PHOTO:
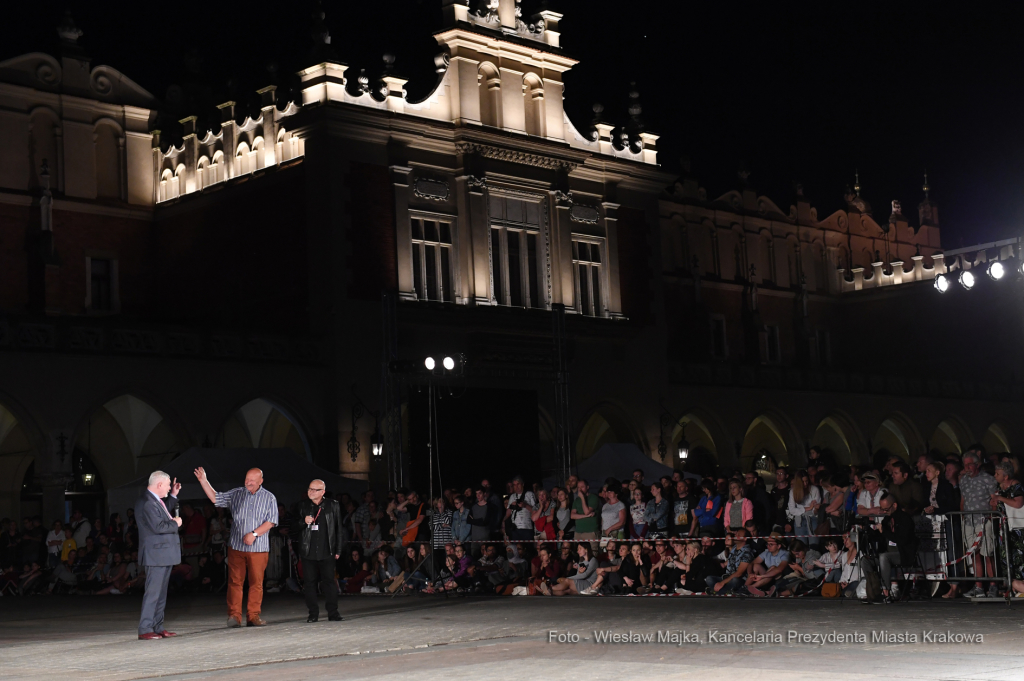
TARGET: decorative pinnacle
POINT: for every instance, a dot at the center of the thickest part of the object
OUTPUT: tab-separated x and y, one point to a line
68	30
634	101
925	187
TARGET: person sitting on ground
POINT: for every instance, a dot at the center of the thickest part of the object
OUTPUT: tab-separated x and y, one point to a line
738	509
768	567
388	569
31	578
457	569
805	570
545	570
568	557
608	568
695	566
586	574
850	577
212	573
117	577
493	571
730	575
64	573
670	572
634	570
831	561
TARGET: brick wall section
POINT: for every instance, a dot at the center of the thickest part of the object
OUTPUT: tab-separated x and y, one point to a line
373	264
238	260
635	266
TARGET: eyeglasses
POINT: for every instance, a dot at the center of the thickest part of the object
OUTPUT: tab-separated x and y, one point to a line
316	489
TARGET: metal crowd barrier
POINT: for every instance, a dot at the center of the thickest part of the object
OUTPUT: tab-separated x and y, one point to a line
962	546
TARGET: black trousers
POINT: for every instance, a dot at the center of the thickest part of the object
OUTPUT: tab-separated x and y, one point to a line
322	571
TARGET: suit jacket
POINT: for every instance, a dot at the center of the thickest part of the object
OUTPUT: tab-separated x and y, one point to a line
158	533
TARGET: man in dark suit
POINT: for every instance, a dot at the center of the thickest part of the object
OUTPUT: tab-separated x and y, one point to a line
159	551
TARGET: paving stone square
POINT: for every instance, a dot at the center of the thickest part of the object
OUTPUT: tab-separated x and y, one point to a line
88	638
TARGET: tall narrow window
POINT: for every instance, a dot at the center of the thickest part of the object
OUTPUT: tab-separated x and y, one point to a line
586	261
719	341
100	285
774	350
516	256
432	260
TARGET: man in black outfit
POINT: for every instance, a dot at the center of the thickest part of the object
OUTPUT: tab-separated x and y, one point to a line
321	546
897	545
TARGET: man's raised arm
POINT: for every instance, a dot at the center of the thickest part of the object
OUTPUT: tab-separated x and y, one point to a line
211	493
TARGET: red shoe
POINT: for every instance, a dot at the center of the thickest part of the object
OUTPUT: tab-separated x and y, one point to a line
151	636
167	634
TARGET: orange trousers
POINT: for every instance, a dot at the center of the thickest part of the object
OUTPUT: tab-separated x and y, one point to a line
239	563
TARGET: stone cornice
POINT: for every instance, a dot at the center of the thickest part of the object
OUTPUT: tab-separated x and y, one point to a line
514	156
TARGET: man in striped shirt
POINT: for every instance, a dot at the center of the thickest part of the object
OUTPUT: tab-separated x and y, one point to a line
254	512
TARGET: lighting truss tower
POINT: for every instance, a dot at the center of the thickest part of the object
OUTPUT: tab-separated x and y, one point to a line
564	453
391	392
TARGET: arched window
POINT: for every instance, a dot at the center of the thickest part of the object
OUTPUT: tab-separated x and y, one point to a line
203	173
168	185
533	103
242	159
489	82
217	169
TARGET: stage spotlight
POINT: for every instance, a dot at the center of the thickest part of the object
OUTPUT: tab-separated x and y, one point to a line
941	283
996	270
967	279
449	363
429	363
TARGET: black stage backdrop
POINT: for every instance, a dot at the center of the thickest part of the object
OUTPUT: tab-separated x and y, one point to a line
480	433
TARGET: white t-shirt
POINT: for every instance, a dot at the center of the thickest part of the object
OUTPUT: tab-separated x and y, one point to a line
610	514
54	535
868	500
521	517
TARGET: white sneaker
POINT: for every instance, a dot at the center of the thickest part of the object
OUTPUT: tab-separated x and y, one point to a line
589	591
684	592
116	592
975	592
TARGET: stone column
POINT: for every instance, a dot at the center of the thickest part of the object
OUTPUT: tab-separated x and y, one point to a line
54	484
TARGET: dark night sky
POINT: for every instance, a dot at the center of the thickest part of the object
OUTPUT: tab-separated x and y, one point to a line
798	92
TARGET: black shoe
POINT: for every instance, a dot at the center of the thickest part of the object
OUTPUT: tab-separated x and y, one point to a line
313	618
334	618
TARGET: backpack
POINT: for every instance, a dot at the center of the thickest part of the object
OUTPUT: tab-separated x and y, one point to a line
873	586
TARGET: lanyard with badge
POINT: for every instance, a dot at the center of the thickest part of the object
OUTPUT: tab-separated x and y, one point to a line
313	525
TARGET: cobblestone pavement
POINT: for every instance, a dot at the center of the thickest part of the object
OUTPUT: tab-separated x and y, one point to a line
382	638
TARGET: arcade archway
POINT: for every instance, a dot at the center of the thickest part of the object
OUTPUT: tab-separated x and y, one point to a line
606	424
16	457
263	424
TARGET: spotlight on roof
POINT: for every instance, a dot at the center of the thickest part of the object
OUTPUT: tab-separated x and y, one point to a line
429	363
941	283
967	279
996	270
449	363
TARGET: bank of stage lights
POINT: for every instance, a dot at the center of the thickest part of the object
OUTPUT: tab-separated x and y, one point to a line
448	363
995	270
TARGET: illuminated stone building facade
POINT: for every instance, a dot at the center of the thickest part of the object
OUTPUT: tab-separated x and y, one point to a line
226	291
